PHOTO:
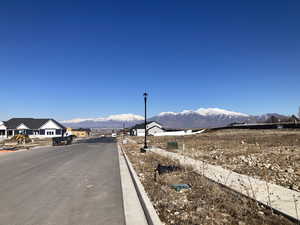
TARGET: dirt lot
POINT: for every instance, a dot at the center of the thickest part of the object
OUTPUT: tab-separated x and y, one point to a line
271	155
7	144
205	203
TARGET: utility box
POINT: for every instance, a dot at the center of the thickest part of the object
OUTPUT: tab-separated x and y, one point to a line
172	145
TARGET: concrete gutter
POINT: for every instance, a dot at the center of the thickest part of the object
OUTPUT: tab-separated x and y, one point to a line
42	146
138	209
282	200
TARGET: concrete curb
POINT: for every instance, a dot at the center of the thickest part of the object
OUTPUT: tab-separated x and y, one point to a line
11	152
282	200
43	146
148	209
133	210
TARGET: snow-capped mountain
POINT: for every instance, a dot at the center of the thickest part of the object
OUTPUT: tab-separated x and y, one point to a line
206	112
210	117
113	121
200	118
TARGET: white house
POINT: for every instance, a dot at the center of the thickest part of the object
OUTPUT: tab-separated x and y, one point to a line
2	130
34	128
151	127
180	133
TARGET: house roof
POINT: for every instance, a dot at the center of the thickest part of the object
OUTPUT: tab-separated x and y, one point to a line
294	118
31	123
142	125
156	126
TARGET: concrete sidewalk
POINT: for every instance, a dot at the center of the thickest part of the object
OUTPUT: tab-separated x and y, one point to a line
281	199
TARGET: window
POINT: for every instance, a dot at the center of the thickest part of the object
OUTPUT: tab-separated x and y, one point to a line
50	132
58	132
42	132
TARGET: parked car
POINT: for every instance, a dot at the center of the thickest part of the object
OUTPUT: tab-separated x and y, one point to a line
56	141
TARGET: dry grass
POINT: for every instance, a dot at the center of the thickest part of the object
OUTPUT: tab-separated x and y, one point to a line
206	203
271	155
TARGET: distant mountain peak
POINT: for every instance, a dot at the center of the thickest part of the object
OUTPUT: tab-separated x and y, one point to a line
118	117
200	118
206	112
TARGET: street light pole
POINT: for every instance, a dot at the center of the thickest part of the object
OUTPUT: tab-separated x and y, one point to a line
145	125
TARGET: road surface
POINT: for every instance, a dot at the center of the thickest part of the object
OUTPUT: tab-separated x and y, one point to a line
67	185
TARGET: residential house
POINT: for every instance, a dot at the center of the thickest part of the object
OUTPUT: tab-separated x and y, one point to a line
151	127
293	119
81	132
34	128
2	130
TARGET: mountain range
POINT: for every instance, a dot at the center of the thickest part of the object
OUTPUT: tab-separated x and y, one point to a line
201	118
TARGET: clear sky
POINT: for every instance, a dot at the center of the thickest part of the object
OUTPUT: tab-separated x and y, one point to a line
69	59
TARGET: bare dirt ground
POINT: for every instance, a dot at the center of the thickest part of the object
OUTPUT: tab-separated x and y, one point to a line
33	143
205	203
271	155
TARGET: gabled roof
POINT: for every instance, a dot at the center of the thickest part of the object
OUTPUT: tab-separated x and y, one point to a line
156	126
142	125
31	123
139	126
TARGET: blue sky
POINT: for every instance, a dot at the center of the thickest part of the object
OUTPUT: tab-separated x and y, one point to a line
68	59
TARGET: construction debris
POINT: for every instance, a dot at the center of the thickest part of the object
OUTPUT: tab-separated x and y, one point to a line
166	169
179	187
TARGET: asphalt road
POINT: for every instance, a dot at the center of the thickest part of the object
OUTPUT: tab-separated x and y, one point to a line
71	185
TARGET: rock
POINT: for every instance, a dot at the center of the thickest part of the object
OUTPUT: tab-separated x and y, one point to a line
201	211
267	165
225	214
185	216
261	213
242	223
195	219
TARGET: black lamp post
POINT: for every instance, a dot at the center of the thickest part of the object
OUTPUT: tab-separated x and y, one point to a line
145	125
